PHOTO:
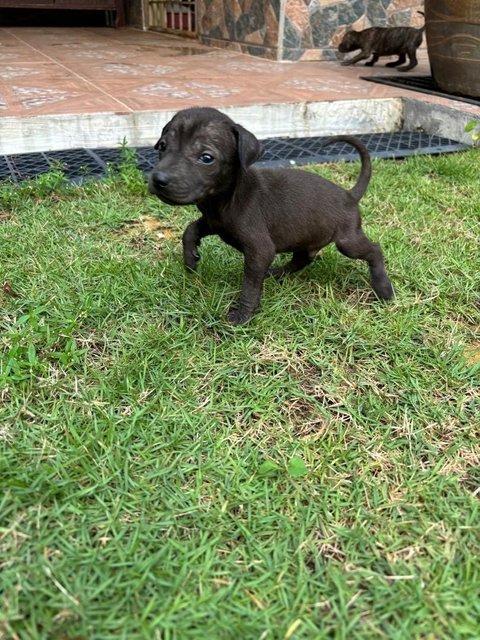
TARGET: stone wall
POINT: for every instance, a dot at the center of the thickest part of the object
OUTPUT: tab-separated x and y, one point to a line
296	29
250	26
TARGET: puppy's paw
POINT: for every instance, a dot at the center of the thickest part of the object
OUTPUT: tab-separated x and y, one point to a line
190	260
237	316
276	272
345	63
384	290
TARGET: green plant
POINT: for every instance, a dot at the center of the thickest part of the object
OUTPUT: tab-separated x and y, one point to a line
473	127
33	342
127	168
295	468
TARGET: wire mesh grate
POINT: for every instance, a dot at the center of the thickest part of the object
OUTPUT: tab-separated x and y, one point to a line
5	169
79	164
399	144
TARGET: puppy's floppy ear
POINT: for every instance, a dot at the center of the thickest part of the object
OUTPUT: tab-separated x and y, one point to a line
248	147
164	131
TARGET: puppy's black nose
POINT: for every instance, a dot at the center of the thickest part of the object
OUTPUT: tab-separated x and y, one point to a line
160	179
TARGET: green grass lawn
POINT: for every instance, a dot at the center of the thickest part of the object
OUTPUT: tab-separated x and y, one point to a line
313	474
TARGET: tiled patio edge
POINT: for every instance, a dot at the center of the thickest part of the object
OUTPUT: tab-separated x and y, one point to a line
108	130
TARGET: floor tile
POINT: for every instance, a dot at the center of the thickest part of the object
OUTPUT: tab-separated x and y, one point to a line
51	71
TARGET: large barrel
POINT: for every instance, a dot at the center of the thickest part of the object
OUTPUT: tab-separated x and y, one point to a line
453	44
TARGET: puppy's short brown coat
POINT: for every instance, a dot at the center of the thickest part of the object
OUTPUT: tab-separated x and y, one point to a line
383	41
205	159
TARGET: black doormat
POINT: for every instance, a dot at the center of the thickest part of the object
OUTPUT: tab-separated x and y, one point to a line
423	84
80	164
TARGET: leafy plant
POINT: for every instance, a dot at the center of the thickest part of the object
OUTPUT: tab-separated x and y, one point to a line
295	468
127	168
33	342
473	127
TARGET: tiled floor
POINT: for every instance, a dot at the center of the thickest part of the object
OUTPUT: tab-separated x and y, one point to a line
60	70
83	71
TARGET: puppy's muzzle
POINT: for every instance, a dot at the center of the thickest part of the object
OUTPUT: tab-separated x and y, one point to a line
160	185
159	180
169	188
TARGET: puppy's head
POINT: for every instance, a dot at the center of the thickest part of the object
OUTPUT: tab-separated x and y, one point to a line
350	42
200	154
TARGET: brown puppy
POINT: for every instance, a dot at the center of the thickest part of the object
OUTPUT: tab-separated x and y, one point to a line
383	41
205	158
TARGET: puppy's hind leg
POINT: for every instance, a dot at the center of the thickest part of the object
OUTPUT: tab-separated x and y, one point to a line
300	259
359	246
401	60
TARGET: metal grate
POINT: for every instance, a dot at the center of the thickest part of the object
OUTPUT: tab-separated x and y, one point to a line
79	164
423	84
5	169
399	144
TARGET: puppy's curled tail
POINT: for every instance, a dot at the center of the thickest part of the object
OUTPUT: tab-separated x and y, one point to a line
361	185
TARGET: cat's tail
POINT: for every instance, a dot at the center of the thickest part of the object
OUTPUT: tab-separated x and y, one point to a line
421	29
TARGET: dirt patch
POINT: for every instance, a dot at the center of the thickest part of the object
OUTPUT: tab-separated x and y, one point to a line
147	225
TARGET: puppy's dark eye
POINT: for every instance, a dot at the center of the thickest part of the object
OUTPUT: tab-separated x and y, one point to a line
206	158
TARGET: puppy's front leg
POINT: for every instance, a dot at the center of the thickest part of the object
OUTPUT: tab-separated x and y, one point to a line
256	266
363	55
191	239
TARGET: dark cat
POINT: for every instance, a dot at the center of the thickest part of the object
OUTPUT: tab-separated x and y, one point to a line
384	41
